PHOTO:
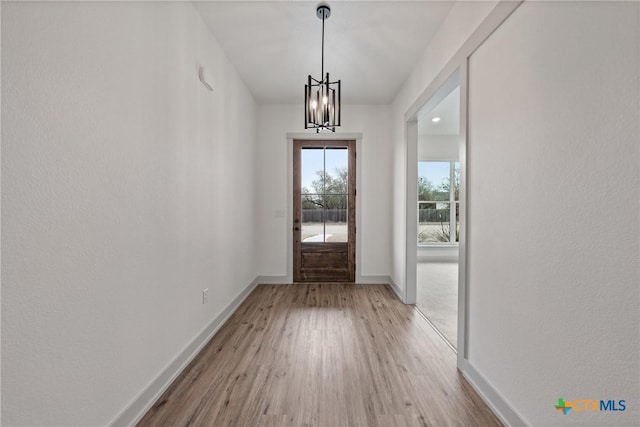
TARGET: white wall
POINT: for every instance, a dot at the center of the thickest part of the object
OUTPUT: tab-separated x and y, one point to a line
438	147
374	188
554	273
463	19
0	217
127	188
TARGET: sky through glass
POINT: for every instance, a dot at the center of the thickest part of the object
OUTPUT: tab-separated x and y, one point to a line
313	161
436	173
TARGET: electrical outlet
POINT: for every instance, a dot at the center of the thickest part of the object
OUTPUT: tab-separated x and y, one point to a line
205	296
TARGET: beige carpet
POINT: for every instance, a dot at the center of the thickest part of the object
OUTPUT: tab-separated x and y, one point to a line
437	287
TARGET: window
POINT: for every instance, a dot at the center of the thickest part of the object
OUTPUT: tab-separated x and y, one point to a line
437	198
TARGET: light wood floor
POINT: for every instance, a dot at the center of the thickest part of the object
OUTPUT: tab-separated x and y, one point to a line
322	355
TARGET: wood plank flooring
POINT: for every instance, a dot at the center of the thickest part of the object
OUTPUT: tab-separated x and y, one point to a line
322	355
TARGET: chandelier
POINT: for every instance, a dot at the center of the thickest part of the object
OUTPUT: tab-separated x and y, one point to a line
322	97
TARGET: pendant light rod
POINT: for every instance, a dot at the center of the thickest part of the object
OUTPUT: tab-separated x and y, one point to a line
321	96
322	60
323	12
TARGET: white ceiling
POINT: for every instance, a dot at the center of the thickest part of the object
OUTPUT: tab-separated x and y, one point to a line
371	46
448	110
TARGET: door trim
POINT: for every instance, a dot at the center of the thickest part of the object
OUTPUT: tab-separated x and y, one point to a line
290	136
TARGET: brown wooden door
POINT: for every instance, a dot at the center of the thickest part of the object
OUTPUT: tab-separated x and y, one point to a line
324	213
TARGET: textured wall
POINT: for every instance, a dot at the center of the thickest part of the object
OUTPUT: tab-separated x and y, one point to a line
554	213
127	188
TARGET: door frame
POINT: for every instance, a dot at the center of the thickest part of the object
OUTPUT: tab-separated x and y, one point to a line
452	81
459	63
289	214
352	173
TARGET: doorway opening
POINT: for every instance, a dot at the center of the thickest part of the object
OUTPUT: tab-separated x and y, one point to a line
438	210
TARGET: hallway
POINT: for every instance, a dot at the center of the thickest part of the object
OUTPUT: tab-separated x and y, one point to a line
147	157
322	355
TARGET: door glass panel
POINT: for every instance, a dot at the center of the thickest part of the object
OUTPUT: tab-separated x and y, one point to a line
312	218
324	188
311	167
312	175
336	167
336	218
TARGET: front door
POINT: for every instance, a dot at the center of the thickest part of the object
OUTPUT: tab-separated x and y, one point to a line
324	212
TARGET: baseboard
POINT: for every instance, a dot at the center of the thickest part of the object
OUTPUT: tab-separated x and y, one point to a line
372	280
492	398
425	259
273	280
143	402
284	280
396	289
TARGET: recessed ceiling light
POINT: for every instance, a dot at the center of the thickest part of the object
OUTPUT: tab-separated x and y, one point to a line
435	119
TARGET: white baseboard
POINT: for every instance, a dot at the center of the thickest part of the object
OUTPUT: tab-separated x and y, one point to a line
286	280
134	411
274	280
372	280
396	290
492	398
